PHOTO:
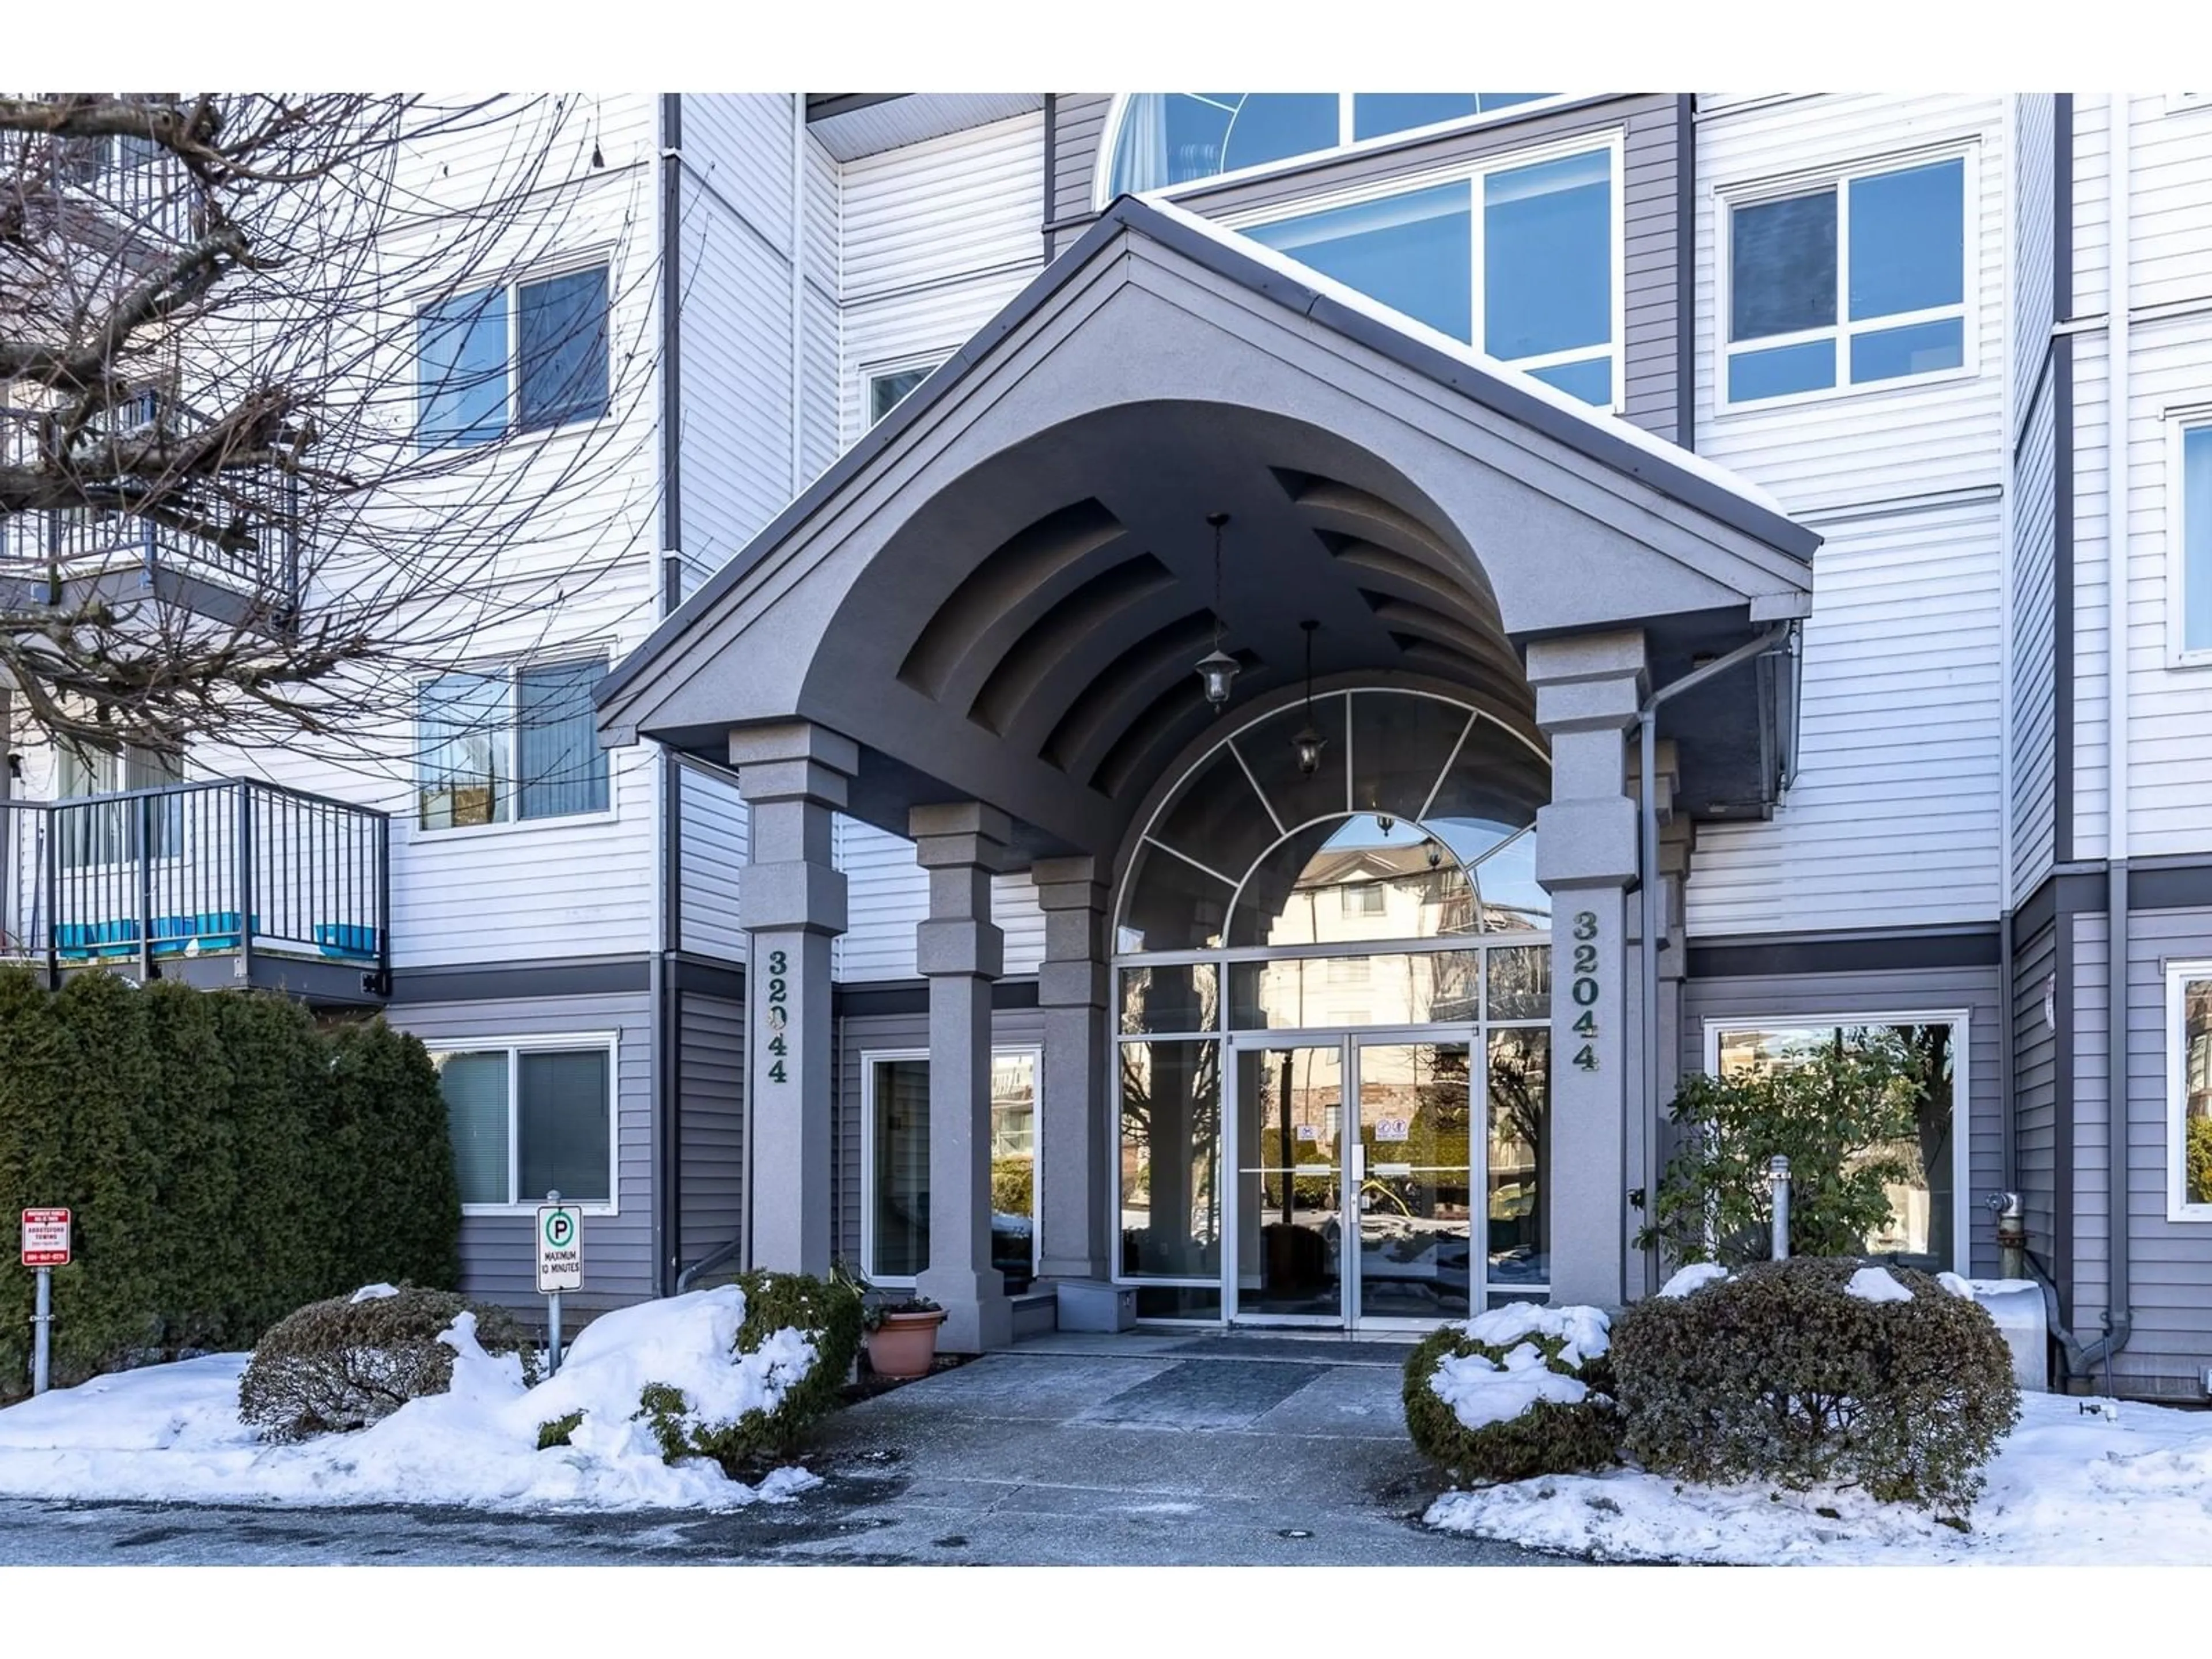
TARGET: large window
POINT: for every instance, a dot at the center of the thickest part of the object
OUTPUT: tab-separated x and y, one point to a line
1522	261
1856	282
1926	1226
894	1203
518	357
529	1118
2189	1090
108	832
2189	532
511	743
1164	139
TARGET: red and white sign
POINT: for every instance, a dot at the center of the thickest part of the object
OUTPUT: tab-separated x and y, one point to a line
46	1238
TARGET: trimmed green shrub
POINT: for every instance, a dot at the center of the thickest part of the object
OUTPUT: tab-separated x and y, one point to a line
1781	1374
828	1312
394	1198
192	1120
1545	1436
280	1077
342	1364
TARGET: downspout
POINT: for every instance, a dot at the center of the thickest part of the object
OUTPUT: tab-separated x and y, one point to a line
667	1218
798	293
2007	1155
2119	1315
1051	168
1647	775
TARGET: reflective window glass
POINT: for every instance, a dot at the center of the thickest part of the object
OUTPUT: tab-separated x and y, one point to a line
2194	501
1171	1138
1547	259
1908	232
1410	251
1520	1112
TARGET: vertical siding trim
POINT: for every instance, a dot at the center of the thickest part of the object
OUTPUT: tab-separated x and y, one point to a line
1686	271
2062	1128
672	381
2062	470
1051	168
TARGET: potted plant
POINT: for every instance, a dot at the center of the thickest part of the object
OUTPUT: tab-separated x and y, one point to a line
902	1335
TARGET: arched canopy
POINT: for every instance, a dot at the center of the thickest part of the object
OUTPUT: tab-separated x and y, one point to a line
1158	140
1419	823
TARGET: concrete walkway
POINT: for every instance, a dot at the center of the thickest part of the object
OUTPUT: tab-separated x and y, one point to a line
1140	1449
1126	1450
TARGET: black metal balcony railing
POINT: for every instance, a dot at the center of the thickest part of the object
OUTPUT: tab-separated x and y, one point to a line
231	868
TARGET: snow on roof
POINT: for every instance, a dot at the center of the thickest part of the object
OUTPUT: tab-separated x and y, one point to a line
1353	300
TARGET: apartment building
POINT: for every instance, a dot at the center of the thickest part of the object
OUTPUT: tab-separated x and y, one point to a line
1219	692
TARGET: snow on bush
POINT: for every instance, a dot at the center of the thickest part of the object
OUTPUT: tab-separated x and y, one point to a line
1517	1391
173	1433
1876	1285
1696	1276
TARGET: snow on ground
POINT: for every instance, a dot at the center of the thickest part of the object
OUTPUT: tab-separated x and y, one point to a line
171	1433
2070	1487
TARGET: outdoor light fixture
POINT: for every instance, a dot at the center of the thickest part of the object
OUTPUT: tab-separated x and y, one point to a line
1218	668
1308	743
1436	856
1385	822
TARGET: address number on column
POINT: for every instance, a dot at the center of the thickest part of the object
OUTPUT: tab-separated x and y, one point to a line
778	1016
1584	988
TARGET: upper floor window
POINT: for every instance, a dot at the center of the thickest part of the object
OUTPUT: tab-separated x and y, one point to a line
1856	282
1521	259
2189	529
518	357
107	831
510	745
1171	138
890	387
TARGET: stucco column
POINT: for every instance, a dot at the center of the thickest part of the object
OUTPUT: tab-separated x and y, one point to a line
790	900
961	952
1075	1136
1588	688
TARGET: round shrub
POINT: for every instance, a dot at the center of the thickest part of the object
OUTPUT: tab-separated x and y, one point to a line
826	1314
343	1364
1519	1391
1782	1373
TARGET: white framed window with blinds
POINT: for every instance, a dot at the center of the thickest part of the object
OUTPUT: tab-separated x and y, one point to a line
532	1115
2188	539
510	745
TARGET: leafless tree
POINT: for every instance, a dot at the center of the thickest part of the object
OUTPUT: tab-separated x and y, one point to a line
281	434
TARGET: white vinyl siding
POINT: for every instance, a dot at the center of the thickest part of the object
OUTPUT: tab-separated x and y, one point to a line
887	895
938	236
2169	386
713	843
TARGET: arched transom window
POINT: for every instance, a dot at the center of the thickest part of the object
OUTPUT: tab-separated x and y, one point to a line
1164	139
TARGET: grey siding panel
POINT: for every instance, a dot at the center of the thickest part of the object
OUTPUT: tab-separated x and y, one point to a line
710	1124
859	1036
1649	210
2035	1090
712	845
2034	679
2171	1267
496	1255
1841	996
2086	1303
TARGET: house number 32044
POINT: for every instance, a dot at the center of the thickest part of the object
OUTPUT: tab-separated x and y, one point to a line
1584	988
778	1016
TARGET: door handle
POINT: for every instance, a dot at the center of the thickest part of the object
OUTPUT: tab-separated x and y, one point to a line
1358	1162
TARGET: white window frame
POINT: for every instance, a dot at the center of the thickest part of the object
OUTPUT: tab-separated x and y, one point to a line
2180	424
1727	198
869	1058
928	361
1102	187
513	668
2178	972
514	1046
510	285
1472	173
1960	1021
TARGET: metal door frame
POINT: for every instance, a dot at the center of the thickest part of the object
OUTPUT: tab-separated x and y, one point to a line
1350	1158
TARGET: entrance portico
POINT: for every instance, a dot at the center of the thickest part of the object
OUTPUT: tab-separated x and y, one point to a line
980	627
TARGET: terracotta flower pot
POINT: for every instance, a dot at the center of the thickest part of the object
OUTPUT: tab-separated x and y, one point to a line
904	1344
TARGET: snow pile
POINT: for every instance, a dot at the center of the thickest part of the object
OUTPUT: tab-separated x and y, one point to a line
1482	1391
171	1433
2068	1486
374	1293
1695	1277
1876	1284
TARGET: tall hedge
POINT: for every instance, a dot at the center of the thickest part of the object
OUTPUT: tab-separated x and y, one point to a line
226	1159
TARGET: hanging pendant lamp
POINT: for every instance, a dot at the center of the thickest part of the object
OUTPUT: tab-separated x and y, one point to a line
1308	743
1218	669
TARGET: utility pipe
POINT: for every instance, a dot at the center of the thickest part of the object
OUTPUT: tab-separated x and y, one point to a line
2119	1316
1647	719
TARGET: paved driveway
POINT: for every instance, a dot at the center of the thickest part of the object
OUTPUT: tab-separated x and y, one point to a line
1070	1449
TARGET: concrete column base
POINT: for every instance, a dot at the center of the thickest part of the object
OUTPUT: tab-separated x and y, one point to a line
978	1317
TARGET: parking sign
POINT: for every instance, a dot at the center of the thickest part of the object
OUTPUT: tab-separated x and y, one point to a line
560	1247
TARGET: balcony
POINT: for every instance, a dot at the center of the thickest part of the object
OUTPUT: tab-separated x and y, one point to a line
230	883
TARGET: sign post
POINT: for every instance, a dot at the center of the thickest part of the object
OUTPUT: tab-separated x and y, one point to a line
560	1265
46	1247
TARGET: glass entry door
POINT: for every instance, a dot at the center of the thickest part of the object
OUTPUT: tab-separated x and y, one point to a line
1355	1179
